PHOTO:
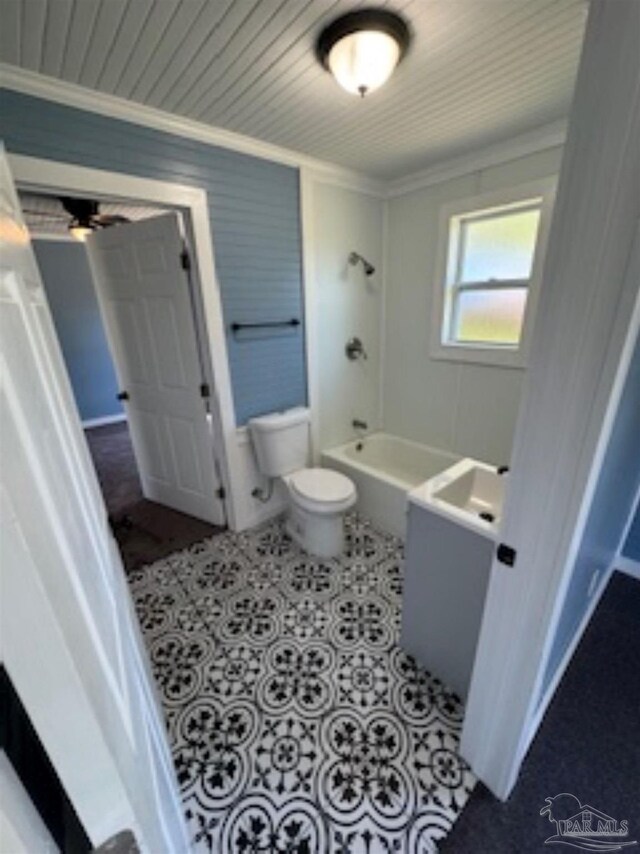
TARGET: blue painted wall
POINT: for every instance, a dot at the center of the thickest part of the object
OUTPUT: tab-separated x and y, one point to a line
612	503
632	546
254	209
74	306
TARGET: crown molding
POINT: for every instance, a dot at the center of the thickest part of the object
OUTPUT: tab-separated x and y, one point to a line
72	95
544	137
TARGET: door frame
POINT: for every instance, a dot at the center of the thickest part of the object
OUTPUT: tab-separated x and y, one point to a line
54	177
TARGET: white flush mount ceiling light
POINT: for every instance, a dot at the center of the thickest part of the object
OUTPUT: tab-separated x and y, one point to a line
361	49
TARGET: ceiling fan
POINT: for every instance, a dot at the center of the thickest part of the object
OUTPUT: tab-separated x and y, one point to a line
81	215
86	217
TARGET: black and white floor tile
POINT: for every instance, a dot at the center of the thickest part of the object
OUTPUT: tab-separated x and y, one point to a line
297	724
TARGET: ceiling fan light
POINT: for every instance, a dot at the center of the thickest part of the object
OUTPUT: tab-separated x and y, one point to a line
81	230
361	49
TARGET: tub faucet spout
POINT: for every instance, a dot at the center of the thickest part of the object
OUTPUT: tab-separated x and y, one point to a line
357	424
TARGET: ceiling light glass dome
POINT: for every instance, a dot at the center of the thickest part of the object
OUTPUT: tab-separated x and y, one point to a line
362	49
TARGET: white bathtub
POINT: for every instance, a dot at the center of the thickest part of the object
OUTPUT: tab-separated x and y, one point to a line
384	471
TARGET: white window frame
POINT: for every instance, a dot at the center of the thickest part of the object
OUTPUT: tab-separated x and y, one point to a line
451	217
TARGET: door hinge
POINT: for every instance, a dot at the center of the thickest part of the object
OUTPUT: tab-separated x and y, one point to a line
122	395
205	390
185	260
506	554
221	493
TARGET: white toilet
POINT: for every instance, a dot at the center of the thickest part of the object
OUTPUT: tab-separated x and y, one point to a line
318	498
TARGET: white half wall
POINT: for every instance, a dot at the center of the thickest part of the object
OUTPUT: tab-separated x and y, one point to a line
344	303
468	409
251	511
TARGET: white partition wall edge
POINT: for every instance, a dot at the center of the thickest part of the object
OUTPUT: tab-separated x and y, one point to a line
310	305
588	320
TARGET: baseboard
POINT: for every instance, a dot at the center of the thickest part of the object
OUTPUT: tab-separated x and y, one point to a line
628	566
101	422
566	660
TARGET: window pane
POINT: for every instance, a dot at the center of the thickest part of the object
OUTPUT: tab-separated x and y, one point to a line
499	247
489	316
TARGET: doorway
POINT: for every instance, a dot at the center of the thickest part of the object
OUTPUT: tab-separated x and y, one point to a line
145	405
145	530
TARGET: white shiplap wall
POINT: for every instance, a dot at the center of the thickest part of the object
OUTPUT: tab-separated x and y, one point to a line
469	409
478	72
346	303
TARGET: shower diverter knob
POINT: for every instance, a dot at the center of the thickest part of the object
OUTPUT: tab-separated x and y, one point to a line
355	349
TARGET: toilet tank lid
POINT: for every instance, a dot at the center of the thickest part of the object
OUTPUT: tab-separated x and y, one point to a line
278	420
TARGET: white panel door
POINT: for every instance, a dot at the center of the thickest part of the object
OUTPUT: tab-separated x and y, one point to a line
68	636
146	304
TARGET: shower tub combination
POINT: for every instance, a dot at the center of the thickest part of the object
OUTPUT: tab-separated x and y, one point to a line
384	469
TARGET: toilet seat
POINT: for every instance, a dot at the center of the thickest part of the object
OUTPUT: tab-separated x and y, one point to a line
321	490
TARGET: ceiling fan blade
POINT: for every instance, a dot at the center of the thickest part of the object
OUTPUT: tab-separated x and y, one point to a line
106	220
45	214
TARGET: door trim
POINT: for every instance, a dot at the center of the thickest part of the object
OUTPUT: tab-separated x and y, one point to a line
35	174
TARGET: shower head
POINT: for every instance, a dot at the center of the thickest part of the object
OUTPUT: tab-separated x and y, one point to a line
369	269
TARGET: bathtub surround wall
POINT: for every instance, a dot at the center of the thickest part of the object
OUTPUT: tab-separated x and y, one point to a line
467	409
346	303
72	299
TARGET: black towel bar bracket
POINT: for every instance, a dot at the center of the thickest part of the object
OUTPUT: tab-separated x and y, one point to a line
267	324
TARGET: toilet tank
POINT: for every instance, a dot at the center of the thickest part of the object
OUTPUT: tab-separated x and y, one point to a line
281	441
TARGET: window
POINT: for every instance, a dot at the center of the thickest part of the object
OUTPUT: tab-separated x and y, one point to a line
491	248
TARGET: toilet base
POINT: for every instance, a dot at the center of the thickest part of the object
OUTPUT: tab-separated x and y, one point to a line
319	535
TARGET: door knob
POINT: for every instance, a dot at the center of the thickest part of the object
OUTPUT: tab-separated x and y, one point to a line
122	395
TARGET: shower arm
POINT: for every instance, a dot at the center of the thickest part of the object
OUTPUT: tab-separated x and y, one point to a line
354	257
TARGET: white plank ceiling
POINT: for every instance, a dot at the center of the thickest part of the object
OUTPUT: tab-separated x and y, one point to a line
46	217
478	72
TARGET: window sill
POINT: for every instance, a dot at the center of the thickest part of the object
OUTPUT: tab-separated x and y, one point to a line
477	355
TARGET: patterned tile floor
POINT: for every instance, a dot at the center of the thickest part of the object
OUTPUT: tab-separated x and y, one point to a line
297	724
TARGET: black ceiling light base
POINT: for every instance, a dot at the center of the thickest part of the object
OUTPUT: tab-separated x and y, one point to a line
380	20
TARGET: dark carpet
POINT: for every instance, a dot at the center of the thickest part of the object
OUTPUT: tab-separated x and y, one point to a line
145	531
588	745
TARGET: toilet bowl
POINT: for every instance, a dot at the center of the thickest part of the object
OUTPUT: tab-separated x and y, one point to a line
318	498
